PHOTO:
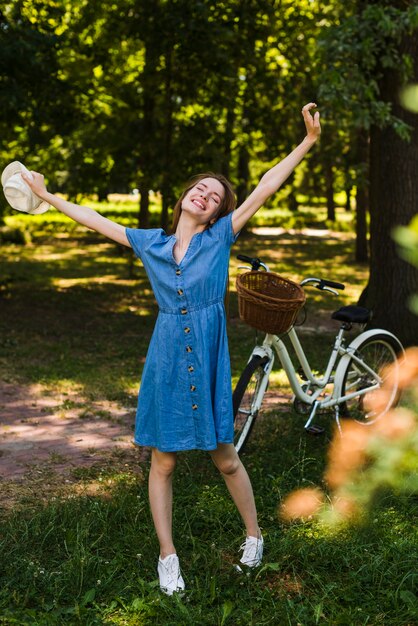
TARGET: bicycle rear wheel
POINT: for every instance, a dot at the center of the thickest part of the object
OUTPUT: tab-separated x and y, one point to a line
244	397
378	352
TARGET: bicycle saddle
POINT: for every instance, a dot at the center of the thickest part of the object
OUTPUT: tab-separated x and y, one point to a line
353	314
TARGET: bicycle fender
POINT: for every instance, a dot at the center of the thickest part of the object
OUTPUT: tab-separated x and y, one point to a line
262	351
352	347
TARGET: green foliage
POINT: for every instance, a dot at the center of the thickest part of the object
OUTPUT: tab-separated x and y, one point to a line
389	466
409	98
128	96
407	237
356	51
34	100
107	97
407	240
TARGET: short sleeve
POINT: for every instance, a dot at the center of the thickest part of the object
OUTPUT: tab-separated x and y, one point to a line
139	238
224	231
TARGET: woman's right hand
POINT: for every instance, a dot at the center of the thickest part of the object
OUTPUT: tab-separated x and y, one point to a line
36	183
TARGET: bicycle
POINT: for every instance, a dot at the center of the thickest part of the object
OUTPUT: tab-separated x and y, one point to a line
353	372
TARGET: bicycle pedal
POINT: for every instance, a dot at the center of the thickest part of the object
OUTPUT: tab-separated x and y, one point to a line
315	430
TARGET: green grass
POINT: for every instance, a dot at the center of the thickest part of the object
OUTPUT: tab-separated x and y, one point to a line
91	560
78	315
77	310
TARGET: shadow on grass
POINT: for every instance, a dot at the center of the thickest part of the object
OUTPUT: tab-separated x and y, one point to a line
92	560
78	335
72	311
77	317
73	315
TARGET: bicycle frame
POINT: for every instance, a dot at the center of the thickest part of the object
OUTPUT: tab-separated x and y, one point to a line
346	364
339	352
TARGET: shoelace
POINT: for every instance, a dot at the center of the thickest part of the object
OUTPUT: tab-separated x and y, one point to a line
172	569
250	547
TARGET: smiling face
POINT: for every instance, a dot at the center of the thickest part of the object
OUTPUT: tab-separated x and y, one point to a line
204	200
207	198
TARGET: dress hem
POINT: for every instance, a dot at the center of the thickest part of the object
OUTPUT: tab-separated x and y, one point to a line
150	445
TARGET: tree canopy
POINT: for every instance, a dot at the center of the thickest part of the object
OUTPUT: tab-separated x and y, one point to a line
105	96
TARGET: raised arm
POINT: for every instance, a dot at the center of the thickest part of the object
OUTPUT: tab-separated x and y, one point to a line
81	214
275	177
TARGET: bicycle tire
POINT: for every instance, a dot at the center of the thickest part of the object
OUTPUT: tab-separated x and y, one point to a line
243	398
378	351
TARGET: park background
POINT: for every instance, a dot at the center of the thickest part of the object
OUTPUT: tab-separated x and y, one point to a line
118	104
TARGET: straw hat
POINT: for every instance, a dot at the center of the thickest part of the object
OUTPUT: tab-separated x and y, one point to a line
17	192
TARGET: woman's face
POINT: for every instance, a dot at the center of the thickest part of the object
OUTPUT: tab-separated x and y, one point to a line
204	200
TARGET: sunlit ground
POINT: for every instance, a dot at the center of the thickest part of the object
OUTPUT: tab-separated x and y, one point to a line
77	315
69	280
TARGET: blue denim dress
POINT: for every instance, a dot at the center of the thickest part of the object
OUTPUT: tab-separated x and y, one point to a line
185	398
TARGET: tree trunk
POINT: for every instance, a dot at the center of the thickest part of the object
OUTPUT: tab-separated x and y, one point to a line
147	137
292	201
348	191
243	174
362	196
329	182
228	138
3	205
102	195
165	203
362	249
166	187
293	204
143	216
393	200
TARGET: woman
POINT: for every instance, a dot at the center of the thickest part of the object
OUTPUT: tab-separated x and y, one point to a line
185	400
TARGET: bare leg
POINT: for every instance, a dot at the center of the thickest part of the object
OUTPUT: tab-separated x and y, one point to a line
236	478
160	487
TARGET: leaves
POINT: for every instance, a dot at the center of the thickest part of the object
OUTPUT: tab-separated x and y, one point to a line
409	98
407	238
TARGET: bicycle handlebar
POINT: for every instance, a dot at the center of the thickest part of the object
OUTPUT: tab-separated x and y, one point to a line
321	283
330	283
255	262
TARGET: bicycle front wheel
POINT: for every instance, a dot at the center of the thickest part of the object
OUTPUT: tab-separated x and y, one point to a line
378	352
244	397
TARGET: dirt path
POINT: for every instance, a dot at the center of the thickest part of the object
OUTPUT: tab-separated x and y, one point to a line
53	445
44	437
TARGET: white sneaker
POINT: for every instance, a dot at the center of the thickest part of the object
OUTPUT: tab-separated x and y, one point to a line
169	572
253	551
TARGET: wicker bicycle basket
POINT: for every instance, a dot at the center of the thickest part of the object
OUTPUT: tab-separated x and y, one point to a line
268	301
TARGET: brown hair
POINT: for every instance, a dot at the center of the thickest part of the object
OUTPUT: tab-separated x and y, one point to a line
227	205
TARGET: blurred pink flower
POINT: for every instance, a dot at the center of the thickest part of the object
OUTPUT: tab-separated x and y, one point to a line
302	503
346	453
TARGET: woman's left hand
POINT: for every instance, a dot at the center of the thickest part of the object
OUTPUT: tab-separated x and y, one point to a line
313	127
